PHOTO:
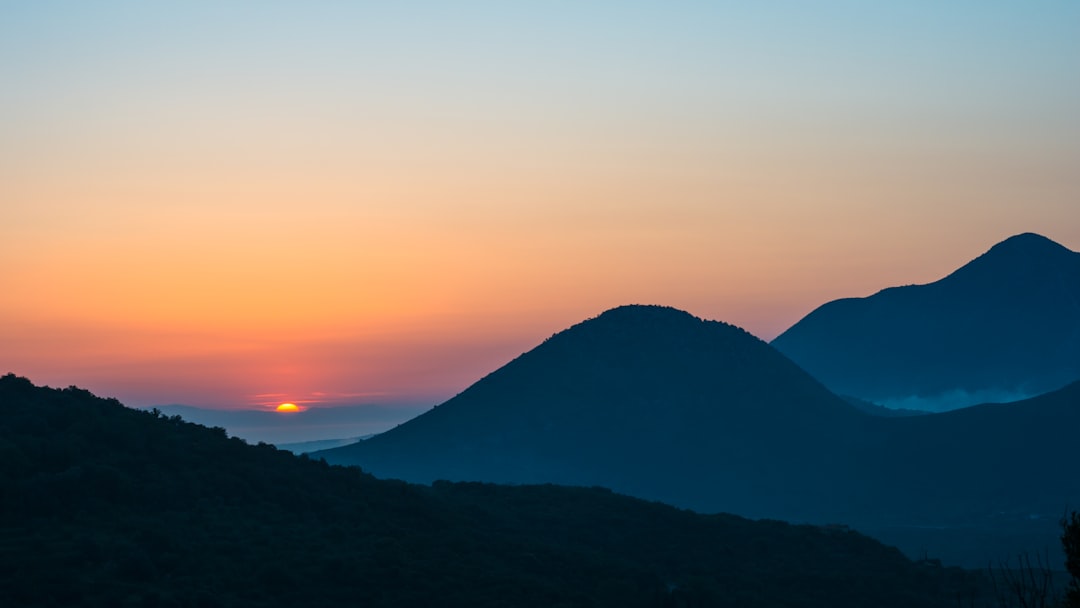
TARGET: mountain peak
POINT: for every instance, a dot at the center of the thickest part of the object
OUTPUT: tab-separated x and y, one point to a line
645	310
635	314
1004	326
1028	244
637	323
1029	239
639	316
1018	256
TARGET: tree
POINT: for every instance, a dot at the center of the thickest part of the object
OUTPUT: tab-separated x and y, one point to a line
1027	585
1070	541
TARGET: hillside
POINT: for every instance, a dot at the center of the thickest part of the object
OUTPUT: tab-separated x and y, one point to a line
655	403
978	483
109	506
1003	327
645	400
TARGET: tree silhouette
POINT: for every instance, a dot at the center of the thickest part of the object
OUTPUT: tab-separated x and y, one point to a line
102	505
1070	541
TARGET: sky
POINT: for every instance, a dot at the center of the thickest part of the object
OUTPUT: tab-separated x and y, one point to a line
235	204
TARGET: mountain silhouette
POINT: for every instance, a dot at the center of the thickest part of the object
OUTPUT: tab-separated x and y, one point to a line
109	506
983	482
1003	327
653	402
1012	455
646	400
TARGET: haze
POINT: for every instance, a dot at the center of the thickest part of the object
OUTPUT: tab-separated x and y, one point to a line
237	204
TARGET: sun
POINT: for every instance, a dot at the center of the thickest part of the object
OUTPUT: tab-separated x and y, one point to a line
287	408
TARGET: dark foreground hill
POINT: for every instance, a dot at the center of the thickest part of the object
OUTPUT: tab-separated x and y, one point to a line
655	403
1003	327
108	506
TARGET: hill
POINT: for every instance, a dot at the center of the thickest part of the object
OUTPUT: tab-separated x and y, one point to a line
1003	327
109	506
655	403
978	483
645	400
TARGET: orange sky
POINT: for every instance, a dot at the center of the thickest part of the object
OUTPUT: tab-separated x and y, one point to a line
235	206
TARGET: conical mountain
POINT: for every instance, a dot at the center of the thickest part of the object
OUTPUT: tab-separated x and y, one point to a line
1003	327
642	399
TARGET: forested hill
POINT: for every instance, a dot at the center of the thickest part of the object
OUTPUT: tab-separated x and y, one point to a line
108	506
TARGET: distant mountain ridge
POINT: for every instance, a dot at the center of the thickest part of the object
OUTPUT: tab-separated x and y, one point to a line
326	423
653	402
1005	326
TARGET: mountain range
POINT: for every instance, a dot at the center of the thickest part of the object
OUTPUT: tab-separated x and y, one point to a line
653	402
647	400
1003	327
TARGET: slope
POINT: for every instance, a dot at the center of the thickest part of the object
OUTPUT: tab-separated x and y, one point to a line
642	399
1002	327
108	506
655	403
976	484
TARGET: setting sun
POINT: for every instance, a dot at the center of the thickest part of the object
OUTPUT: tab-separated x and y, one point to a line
288	407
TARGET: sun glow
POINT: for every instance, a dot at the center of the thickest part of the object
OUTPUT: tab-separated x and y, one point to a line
288	408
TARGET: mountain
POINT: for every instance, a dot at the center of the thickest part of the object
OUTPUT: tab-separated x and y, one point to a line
645	400
1003	327
981	482
109	506
655	403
